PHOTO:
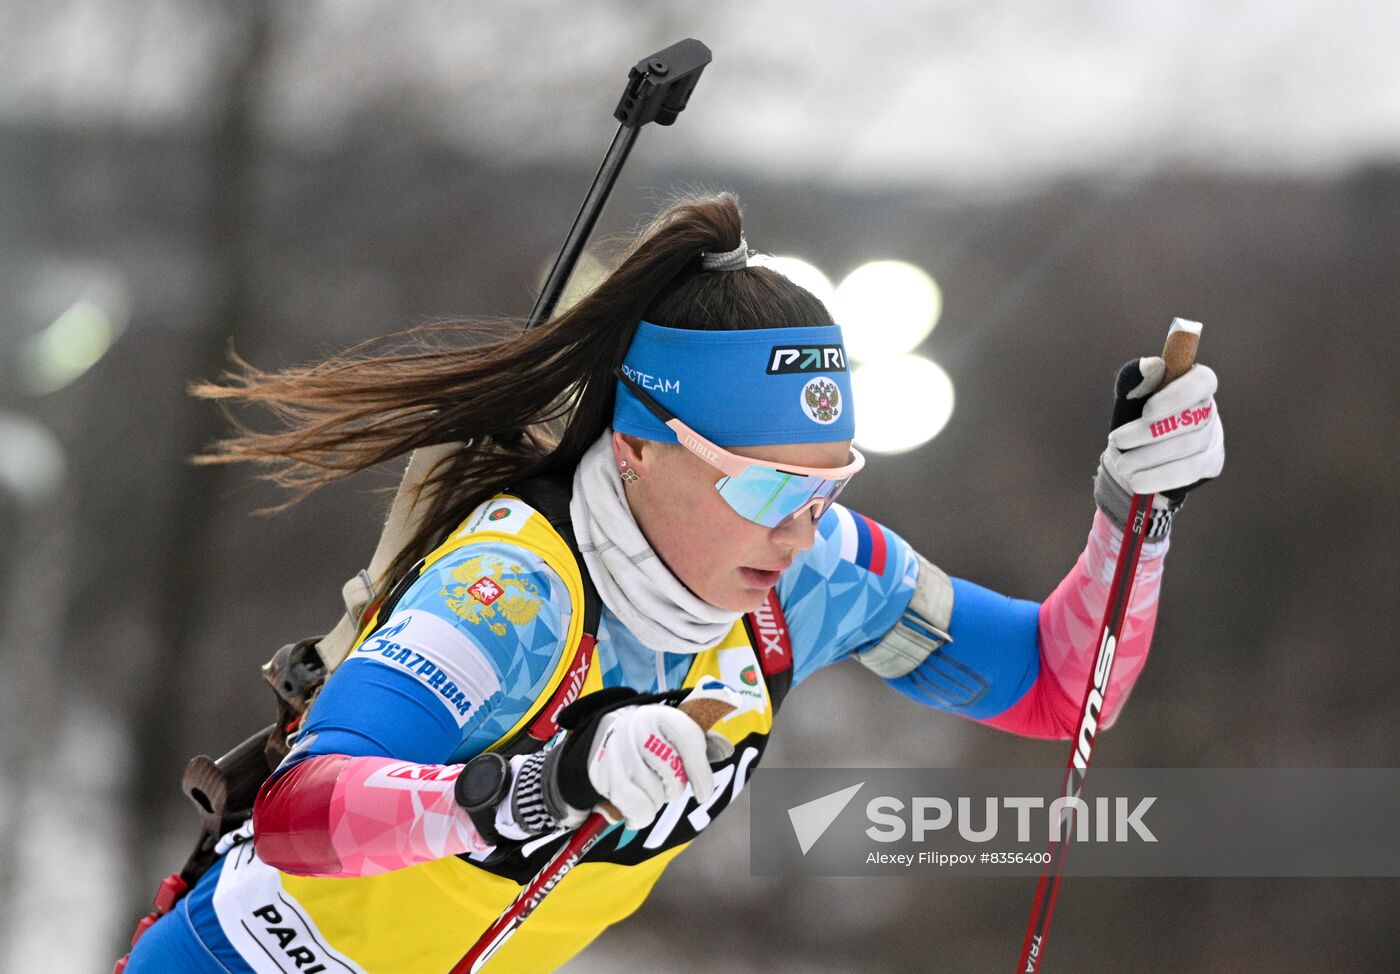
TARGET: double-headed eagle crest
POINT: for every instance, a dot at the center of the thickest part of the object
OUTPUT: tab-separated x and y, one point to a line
823	400
510	600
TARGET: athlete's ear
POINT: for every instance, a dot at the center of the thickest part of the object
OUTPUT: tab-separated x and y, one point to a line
633	453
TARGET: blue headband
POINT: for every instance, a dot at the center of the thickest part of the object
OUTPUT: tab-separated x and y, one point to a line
739	388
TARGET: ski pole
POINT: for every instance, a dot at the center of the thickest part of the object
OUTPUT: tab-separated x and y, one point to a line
705	712
1180	353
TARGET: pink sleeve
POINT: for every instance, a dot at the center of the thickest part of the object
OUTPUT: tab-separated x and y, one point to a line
1068	634
335	815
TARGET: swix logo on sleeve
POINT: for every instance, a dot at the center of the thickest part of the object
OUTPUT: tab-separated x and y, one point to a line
774	644
1195	416
438	655
547	724
786	359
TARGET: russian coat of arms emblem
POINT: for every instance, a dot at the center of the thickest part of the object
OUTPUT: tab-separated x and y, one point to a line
821	400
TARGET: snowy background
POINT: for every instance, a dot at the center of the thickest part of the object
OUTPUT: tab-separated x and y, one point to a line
299	176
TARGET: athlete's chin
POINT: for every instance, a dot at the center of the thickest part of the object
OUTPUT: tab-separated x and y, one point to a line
733	596
737	590
747	601
751	589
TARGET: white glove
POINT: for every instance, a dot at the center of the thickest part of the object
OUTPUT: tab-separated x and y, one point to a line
1178	441
645	756
1177	444
636	756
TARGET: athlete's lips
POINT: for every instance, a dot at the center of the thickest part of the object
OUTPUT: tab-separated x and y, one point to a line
762	577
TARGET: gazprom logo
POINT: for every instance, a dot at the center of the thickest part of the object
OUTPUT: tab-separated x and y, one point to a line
382	637
785	359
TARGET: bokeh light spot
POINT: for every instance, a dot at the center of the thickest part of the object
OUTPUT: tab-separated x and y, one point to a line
803	274
902	401
886	307
68	347
32	463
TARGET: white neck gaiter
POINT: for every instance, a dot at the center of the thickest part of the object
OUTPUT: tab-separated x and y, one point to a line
631	580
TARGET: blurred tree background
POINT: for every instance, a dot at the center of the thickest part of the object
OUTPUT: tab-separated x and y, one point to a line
186	176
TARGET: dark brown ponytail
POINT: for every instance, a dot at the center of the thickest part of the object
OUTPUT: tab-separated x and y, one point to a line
476	382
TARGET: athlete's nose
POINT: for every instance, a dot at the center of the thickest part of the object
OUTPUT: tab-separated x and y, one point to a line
798	533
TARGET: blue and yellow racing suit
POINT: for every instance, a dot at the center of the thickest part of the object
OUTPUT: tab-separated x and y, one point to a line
450	674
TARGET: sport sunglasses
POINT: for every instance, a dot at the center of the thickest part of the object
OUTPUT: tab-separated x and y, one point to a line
763	493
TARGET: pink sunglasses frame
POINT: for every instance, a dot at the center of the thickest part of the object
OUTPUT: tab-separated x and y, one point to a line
733	465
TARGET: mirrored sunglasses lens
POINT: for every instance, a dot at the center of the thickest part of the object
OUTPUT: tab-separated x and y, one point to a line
827	495
769	497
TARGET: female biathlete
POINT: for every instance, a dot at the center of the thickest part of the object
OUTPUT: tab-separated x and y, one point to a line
678	535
